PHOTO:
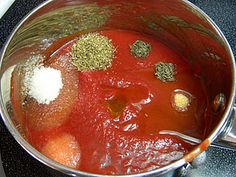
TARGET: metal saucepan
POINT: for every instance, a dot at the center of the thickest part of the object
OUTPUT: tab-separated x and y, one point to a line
179	24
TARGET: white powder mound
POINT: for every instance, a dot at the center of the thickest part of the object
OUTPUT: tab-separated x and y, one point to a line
44	84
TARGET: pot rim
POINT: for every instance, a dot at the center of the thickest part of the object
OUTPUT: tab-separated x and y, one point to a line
59	167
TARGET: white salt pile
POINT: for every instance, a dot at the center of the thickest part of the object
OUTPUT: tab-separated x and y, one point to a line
44	84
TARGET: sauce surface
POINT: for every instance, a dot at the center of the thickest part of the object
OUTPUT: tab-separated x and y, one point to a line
113	117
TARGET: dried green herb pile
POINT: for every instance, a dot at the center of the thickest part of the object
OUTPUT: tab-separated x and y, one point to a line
140	49
92	51
165	71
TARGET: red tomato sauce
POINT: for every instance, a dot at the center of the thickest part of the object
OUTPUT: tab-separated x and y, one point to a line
115	115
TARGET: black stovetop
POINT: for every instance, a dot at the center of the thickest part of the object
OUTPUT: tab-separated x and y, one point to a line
15	162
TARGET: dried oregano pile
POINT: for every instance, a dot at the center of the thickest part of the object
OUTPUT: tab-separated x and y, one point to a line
140	49
92	51
165	72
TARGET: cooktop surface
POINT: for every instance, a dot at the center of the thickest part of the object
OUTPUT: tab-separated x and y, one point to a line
216	162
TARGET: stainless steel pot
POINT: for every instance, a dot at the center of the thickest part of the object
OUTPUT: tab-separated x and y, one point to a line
178	24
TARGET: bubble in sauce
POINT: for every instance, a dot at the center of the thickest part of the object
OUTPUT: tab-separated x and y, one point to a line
63	149
181	100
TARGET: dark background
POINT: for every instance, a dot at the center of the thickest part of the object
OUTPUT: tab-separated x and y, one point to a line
17	163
